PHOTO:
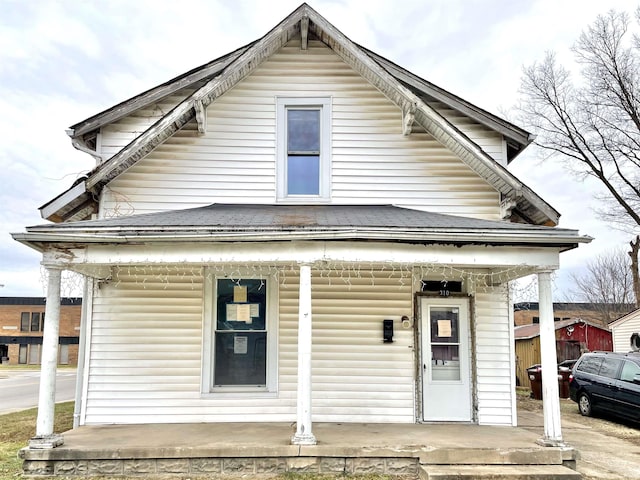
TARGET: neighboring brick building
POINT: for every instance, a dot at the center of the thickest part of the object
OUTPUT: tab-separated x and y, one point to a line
21	325
526	313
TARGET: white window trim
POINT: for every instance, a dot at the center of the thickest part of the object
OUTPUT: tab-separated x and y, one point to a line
324	104
208	337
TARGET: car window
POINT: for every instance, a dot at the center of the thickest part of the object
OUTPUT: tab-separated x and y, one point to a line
609	367
590	365
629	370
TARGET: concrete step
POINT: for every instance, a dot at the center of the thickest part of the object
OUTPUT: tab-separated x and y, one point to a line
497	456
497	472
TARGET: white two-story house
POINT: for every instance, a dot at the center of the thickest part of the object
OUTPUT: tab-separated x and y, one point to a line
299	231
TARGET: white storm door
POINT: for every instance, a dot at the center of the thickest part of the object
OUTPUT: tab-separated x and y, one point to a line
446	372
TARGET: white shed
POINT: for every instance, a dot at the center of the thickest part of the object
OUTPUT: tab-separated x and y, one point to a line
626	332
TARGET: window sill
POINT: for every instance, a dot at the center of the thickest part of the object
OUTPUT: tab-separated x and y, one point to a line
302	200
238	394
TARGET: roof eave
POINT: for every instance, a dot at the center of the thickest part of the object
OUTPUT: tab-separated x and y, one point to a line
154	94
566	241
516	134
75	203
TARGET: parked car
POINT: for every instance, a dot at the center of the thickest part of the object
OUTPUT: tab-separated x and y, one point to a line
607	382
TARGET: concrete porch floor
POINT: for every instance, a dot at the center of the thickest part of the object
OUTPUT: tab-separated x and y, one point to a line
429	450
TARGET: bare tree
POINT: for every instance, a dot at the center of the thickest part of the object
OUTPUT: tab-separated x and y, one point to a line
607	283
594	124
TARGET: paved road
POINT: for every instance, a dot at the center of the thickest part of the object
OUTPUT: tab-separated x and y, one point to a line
19	388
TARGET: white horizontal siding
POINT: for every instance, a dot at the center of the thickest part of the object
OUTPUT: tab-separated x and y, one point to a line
145	362
355	376
493	365
622	333
145	346
146	341
235	161
116	135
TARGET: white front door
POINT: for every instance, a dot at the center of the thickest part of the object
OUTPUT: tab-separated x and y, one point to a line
446	372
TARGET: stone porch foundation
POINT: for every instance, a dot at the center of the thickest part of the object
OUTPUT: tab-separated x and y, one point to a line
429	452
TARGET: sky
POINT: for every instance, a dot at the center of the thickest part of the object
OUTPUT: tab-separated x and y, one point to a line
63	61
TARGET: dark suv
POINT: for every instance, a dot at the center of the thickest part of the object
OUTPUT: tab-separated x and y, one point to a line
607	382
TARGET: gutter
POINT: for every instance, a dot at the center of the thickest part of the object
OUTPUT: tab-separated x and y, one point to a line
346	234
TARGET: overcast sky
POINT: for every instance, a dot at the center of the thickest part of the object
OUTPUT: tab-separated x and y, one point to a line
63	61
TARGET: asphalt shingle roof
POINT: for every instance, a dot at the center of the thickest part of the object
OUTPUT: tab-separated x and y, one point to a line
296	217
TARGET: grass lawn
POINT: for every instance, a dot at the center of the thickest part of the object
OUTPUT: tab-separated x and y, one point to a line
15	431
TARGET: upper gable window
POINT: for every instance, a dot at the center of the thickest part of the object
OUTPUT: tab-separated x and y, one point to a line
303	168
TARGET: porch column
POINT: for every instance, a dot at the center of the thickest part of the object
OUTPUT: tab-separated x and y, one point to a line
45	438
548	358
304	435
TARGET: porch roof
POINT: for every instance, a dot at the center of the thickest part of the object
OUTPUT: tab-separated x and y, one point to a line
249	222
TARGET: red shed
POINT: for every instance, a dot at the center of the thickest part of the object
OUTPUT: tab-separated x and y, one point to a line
573	337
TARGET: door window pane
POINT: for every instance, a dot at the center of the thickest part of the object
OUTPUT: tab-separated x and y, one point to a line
445	343
241	333
444	325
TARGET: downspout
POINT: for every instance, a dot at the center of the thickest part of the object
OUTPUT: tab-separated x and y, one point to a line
512	358
83	352
83	381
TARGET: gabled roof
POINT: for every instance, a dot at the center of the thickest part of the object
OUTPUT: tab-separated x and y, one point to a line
189	79
525	332
629	316
406	90
231	222
517	138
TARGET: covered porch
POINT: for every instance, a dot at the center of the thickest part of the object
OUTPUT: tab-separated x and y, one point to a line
322	262
426	450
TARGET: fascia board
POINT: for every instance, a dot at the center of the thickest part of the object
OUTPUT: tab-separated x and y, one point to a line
629	316
154	94
52	207
126	236
502	126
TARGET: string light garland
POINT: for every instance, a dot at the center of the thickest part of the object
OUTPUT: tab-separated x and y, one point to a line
347	274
